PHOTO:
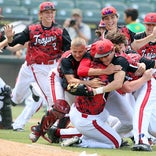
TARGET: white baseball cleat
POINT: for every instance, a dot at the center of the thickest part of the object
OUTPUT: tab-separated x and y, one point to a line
71	141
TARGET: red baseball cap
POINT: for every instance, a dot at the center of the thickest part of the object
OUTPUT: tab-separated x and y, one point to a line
102	24
150	18
108	10
47	6
101	48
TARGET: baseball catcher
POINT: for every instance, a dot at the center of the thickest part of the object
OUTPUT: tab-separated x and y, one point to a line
5	106
58	111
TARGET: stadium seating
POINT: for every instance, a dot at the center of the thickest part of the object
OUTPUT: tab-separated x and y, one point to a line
121	17
63	14
64	4
91	10
133	1
91	15
29	4
83	5
33	13
16	13
120	6
5	3
142	7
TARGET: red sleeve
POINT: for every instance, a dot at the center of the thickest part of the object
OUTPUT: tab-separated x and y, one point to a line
83	68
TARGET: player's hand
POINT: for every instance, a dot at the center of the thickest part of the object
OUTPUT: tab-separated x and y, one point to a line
8	29
112	69
141	69
148	74
96	82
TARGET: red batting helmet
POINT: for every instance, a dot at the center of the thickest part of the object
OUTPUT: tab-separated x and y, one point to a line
150	18
108	10
61	106
101	48
47	6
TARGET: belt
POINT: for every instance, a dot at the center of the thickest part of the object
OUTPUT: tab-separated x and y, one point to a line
46	62
84	115
51	62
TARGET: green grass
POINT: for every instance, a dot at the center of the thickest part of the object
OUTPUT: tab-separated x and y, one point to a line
23	138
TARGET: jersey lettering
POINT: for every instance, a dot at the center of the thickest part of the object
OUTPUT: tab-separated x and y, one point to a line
44	41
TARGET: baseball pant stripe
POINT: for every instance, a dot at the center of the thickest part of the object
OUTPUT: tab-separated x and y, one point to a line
108	135
143	105
38	83
52	85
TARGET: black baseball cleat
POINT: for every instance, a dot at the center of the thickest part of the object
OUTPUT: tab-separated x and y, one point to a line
142	147
12	103
35	134
124	143
52	135
35	97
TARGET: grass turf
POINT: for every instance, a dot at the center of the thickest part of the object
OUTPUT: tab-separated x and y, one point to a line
23	137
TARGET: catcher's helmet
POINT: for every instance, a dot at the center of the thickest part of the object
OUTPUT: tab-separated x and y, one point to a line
150	18
61	106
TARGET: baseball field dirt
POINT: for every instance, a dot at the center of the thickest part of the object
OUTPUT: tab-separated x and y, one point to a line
10	148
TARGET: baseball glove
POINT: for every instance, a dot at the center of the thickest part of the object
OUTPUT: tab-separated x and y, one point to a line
79	89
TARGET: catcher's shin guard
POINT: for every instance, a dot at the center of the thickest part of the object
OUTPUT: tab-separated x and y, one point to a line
40	130
58	111
63	123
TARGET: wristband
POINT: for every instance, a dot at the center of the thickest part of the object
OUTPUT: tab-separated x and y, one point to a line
99	90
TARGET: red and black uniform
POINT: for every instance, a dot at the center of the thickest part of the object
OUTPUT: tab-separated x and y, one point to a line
128	33
44	43
68	65
148	50
133	59
95	104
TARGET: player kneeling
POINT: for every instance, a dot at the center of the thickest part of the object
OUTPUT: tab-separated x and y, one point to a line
58	111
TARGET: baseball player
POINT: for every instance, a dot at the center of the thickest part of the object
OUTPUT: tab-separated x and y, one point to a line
117	101
65	75
20	95
5	90
77	122
110	19
47	42
5	106
91	111
117	39
145	42
135	85
32	104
